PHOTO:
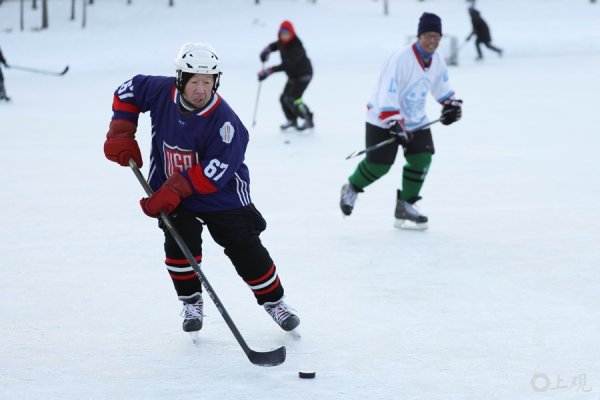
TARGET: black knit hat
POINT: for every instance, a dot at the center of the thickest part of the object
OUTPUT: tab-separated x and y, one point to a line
429	23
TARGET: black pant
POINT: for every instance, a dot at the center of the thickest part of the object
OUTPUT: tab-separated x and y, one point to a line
292	92
422	142
488	45
2	88
237	231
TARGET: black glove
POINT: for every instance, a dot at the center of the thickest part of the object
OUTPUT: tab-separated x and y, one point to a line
399	131
451	112
264	55
264	74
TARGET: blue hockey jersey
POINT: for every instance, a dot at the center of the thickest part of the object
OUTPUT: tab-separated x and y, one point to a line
207	146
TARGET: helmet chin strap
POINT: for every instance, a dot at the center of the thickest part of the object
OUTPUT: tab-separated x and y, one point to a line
217	82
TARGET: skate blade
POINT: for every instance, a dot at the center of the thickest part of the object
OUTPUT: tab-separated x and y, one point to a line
291	128
410	225
294	333
195	337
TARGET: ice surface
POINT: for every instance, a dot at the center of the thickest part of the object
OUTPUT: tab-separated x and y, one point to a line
498	299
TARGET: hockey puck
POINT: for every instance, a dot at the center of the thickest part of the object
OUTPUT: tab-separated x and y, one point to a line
287	142
307	374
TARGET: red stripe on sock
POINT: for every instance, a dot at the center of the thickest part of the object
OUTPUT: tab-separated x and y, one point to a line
177	261
264	277
268	289
183	277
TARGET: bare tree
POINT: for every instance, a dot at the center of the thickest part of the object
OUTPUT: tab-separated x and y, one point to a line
72	10
386	9
84	14
34	4
22	15
44	14
171	3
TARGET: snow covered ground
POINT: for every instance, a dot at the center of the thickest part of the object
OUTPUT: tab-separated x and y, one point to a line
497	300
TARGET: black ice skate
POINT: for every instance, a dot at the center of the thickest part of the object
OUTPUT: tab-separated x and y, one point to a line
291	123
192	316
408	215
283	314
308	123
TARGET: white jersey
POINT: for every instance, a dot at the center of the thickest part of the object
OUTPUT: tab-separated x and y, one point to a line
402	88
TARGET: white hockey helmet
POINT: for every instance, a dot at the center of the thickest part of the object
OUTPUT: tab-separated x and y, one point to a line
197	58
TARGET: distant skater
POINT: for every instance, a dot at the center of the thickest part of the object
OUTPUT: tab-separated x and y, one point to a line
3	95
298	68
482	31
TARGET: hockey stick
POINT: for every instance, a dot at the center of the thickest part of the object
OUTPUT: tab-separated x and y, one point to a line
462	45
262	358
256	102
388	141
40	71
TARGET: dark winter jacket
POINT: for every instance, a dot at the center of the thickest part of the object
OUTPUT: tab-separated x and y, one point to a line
480	28
294	61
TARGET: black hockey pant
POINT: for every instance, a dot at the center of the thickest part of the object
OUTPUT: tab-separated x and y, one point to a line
237	231
291	98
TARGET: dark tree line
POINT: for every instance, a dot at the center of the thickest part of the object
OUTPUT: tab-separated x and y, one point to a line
44	13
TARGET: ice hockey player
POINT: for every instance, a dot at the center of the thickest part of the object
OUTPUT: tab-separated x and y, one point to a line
482	32
3	95
198	176
397	108
299	71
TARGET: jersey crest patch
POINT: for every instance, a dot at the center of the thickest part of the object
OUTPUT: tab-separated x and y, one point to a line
227	132
177	159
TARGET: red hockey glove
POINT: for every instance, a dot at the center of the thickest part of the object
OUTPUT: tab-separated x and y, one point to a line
120	144
399	131
168	197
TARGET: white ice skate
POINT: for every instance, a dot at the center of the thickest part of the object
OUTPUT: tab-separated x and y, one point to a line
408	215
348	198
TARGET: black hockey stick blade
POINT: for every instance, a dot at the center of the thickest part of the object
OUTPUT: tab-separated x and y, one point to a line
64	71
267	358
